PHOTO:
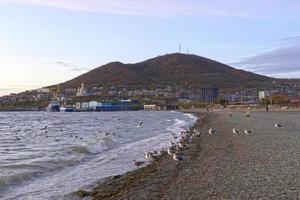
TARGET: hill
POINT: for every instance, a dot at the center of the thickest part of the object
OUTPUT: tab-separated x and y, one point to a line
171	69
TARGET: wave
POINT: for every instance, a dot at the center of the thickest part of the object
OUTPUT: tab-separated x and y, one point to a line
192	116
7	181
107	145
81	149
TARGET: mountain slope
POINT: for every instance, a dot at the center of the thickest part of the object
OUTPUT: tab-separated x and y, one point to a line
171	69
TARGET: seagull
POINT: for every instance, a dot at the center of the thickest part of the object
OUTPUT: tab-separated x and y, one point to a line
171	151
247	114
177	157
182	145
152	155
140	124
137	163
277	125
230	114
211	131
235	131
148	156
196	134
247	132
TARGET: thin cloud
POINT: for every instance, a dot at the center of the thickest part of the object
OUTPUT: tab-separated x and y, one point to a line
70	66
145	7
285	60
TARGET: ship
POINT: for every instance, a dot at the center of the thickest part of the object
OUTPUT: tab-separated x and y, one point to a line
66	109
54	106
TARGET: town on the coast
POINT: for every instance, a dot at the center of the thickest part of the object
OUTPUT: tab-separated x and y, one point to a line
281	93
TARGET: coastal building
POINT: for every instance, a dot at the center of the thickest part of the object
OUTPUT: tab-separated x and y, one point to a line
295	100
85	106
263	94
122	105
70	92
78	106
151	107
208	95
185	101
93	105
82	92
43	90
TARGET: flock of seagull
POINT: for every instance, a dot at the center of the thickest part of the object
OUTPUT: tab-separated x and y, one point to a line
176	151
236	131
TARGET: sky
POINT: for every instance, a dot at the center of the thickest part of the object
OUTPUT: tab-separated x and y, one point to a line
45	42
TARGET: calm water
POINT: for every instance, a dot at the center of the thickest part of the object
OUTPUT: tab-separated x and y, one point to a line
49	155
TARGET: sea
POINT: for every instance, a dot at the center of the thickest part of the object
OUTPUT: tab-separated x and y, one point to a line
51	155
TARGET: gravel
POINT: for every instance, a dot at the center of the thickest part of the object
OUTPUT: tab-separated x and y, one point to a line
262	165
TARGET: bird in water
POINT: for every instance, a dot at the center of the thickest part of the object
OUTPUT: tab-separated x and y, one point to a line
140	124
247	132
137	163
235	131
277	125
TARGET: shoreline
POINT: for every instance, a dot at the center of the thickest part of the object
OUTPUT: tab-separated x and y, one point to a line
113	186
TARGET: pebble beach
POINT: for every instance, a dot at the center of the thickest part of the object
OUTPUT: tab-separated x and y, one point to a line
261	164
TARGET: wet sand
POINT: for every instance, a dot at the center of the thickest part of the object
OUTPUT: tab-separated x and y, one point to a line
262	165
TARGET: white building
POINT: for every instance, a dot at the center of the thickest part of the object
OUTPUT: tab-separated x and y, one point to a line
151	107
263	94
43	90
82	92
93	105
85	106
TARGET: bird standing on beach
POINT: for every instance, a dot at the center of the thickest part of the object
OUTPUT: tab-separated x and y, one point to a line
248	113
235	131
211	131
277	125
137	163
182	145
152	155
171	150
177	157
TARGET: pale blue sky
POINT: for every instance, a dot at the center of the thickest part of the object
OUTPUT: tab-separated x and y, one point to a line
45	42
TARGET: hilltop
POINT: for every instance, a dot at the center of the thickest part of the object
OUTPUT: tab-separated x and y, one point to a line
171	69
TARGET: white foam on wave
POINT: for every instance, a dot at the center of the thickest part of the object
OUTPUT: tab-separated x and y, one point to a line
180	125
194	117
109	151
